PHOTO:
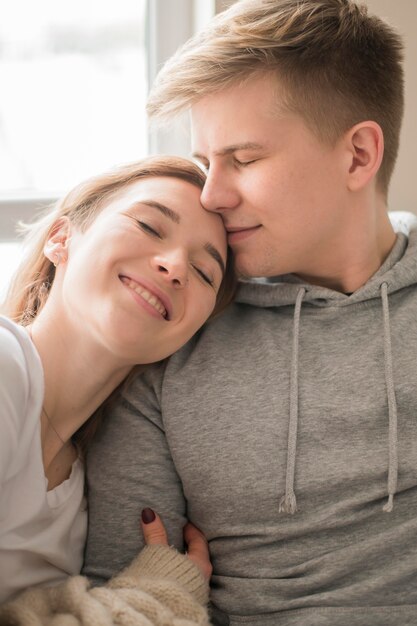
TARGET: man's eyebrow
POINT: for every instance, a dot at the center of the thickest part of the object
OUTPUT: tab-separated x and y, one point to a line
169	213
216	256
247	145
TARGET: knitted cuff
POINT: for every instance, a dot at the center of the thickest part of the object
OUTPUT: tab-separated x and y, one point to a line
164	563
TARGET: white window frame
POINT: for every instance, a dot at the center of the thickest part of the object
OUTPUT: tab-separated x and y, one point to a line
169	24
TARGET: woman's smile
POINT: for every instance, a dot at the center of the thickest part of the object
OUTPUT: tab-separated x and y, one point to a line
147	298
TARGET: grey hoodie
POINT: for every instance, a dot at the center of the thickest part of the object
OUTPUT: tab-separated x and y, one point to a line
287	431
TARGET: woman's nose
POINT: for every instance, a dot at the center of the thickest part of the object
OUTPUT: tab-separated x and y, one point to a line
173	267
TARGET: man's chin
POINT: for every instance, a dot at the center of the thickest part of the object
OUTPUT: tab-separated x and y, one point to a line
245	271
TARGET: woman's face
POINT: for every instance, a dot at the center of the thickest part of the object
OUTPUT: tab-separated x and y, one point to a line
144	276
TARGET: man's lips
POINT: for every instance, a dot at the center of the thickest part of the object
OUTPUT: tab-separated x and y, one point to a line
236	233
152	295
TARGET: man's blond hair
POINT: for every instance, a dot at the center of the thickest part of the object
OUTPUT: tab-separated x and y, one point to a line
336	66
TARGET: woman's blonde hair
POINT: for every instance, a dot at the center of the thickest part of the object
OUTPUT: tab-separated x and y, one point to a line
32	282
335	65
30	286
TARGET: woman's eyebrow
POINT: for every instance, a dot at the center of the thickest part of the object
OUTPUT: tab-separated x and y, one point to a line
169	213
216	256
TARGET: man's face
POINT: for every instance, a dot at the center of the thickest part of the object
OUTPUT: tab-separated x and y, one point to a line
281	192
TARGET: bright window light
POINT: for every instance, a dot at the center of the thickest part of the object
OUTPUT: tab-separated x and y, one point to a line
73	91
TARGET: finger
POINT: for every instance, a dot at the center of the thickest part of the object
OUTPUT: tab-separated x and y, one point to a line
196	541
153	529
197	549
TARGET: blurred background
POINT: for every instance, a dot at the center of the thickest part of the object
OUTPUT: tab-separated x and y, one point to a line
74	78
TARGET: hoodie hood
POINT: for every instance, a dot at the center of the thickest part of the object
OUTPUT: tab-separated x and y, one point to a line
399	270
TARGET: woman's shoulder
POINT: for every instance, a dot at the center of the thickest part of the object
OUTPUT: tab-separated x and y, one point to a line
21	393
21	386
15	346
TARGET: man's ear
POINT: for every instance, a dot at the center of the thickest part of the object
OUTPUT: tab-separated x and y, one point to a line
56	246
365	144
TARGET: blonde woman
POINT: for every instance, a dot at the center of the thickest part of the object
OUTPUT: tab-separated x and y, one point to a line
122	272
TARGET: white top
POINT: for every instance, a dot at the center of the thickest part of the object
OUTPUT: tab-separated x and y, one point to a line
42	533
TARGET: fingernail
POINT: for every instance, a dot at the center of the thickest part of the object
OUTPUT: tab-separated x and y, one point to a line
148	516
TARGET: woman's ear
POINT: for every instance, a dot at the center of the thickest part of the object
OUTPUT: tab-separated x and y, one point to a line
365	143
56	246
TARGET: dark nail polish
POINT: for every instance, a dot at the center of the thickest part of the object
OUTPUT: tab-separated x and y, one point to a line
148	516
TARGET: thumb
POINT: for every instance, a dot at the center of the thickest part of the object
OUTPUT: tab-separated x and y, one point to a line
153	529
197	549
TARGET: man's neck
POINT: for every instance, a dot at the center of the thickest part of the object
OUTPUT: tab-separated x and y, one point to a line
350	263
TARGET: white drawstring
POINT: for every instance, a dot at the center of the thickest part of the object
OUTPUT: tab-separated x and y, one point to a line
392	405
288	502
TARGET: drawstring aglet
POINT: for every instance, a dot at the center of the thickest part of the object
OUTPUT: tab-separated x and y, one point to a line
389	505
288	504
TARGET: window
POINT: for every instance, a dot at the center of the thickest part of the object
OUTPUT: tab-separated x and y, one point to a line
74	78
74	84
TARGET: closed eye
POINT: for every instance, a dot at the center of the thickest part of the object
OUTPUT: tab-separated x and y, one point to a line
204	276
243	163
148	229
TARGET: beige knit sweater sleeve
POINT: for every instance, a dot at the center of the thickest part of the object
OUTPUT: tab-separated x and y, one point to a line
160	588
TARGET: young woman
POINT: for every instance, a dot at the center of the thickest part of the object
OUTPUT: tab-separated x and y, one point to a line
122	272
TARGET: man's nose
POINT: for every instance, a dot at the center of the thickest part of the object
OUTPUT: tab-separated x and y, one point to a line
219	192
173	267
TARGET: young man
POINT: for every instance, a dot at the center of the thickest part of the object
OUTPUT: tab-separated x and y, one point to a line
286	430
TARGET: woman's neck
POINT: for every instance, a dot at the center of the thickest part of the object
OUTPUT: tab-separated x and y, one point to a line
79	375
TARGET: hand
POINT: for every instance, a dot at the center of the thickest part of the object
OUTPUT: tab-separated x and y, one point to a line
197	549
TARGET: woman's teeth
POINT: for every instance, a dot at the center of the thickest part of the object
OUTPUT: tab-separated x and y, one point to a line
146	295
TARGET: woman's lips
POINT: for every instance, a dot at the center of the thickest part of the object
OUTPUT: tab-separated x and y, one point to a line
146	296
